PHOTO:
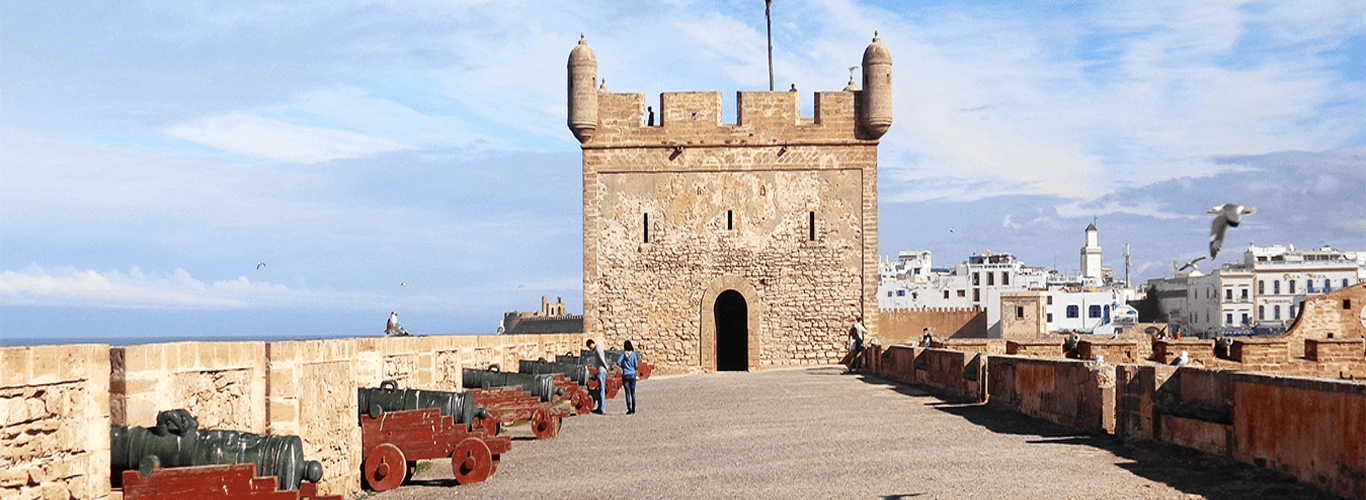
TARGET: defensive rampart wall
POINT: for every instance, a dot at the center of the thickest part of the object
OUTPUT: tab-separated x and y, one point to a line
1309	428
57	402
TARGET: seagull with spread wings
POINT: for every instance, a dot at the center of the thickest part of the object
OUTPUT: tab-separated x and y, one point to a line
1225	216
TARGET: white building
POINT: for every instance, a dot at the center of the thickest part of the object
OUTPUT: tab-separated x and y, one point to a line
1264	292
911	282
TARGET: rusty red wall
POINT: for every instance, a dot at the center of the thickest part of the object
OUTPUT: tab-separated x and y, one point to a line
1068	392
959	373
1313	429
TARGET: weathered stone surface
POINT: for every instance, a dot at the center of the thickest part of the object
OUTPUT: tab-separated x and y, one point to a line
54	422
779	208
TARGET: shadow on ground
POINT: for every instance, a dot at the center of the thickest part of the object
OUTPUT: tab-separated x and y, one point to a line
1188	470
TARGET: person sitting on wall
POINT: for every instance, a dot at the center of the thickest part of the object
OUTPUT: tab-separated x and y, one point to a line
856	336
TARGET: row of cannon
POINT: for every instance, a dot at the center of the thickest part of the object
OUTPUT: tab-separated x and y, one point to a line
399	427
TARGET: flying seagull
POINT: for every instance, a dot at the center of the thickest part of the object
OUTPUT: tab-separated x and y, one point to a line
1182	360
260	265
1191	264
1225	216
392	329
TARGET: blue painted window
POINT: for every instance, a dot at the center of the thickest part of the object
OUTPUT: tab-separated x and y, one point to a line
1093	312
1073	311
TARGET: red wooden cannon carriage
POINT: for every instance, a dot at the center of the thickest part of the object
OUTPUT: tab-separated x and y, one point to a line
212	482
509	405
396	440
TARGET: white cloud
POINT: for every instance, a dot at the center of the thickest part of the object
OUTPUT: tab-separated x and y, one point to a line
177	290
259	137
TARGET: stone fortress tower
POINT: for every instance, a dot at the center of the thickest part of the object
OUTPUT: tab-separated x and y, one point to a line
716	246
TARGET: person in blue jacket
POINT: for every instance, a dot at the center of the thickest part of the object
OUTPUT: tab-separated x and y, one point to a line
629	361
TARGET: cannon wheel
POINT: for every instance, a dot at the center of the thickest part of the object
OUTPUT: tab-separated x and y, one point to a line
583	403
471	461
384	468
543	425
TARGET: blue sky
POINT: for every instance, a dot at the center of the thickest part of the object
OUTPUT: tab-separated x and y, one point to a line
153	153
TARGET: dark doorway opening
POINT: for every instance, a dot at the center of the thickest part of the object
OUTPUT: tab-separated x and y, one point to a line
732	331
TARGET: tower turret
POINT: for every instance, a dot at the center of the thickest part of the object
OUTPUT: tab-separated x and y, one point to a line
877	88
583	92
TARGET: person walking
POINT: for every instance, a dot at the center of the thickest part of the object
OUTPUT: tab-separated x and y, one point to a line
629	360
600	364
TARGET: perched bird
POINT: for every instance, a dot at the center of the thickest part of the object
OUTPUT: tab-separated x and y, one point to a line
1115	336
1225	216
927	341
1222	347
1100	359
1182	360
392	329
260	265
1073	341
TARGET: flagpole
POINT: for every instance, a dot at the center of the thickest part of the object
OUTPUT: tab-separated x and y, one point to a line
769	19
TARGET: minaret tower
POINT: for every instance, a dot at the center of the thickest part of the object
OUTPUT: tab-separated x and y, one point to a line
1091	256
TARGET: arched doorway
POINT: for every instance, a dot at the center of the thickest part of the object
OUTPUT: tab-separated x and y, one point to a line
732	331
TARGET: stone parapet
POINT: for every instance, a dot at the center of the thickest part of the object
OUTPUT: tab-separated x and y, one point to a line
1165	351
1114	351
1260	351
693	119
1042	347
1335	350
54	402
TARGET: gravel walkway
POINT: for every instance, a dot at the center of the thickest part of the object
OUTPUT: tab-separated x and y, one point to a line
819	433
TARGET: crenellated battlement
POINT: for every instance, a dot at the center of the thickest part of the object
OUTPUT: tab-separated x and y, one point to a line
695	119
602	119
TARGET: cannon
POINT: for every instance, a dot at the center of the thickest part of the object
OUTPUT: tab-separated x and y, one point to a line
136	453
642	370
586	360
388	397
401	426
541	386
573	379
514	397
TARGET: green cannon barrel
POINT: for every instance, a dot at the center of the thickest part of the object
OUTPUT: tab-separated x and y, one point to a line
541	386
177	441
388	397
576	373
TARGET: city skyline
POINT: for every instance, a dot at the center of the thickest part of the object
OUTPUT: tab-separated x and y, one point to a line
415	157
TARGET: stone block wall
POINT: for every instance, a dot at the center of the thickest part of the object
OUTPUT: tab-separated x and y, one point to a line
908	325
1308	428
1068	392
677	213
1264	353
1335	350
54	407
982	346
1023	314
1166	351
57	402
1333	315
312	394
223	384
1041	348
1114	351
